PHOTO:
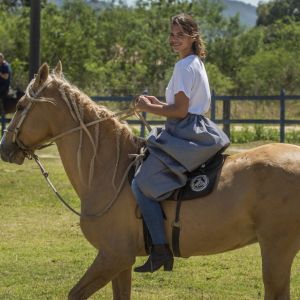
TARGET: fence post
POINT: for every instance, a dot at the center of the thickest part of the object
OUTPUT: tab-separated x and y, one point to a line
213	106
35	28
282	116
226	116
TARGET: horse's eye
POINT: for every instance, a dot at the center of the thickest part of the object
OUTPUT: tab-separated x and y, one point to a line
20	107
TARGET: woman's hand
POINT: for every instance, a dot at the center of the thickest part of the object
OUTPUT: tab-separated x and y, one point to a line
142	103
153	100
152	105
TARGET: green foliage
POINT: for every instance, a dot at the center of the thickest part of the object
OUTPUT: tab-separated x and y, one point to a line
121	50
270	12
117	50
219	82
250	42
269	71
283	35
293	137
248	134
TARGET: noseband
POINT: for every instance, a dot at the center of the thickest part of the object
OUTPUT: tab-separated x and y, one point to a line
32	97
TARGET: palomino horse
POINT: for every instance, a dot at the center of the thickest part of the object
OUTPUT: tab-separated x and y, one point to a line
256	198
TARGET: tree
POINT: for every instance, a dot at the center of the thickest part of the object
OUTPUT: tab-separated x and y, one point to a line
285	10
269	71
120	50
283	35
17	4
224	50
221	84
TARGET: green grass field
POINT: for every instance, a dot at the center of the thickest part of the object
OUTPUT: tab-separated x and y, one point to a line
43	253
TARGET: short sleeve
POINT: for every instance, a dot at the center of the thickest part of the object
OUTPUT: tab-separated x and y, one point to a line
5	69
183	81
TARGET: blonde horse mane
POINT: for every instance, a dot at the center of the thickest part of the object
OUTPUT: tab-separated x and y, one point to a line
84	110
91	110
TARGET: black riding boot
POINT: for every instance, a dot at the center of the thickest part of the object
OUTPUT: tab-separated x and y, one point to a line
161	255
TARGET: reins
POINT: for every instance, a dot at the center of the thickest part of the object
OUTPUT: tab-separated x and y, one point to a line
137	159
126	113
46	176
29	152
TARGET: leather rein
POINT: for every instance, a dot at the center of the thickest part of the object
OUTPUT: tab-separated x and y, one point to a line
29	151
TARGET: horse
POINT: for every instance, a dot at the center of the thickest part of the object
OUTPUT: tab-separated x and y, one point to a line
255	199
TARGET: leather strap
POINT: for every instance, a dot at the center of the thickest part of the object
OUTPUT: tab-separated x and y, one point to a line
176	227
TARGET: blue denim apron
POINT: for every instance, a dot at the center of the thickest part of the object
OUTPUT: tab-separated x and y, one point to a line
181	147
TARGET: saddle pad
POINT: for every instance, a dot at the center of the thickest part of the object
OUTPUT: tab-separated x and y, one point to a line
200	182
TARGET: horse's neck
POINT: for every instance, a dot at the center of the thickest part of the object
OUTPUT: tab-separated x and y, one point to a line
112	153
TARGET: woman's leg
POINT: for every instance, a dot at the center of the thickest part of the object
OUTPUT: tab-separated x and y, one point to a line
161	254
152	214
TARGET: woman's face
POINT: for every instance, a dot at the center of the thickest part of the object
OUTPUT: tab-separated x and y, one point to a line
180	41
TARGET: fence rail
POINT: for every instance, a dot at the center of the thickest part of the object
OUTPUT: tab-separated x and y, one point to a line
226	119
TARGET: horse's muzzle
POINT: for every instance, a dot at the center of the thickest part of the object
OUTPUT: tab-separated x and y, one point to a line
10	152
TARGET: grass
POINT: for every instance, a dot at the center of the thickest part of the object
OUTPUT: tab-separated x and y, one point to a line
248	134
43	252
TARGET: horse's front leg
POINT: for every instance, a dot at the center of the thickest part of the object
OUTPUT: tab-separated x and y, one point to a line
122	285
104	269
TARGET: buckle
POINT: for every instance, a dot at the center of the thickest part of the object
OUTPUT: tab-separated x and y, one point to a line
176	224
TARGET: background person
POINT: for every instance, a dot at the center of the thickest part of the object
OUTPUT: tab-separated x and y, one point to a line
4	79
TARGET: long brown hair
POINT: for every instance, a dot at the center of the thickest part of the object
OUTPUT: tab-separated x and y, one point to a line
190	28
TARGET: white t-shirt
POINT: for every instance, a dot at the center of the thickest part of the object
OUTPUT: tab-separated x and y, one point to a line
189	76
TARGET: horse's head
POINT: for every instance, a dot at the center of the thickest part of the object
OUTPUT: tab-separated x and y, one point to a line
31	125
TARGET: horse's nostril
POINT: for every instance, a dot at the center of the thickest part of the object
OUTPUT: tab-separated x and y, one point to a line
9	152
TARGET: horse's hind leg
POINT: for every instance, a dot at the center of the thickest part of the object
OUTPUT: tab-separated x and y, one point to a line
277	259
122	285
102	271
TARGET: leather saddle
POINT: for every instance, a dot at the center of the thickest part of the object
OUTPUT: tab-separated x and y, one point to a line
201	181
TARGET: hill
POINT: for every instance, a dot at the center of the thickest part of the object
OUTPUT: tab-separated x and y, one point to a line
247	12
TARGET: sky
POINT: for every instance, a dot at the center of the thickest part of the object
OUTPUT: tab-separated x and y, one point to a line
253	2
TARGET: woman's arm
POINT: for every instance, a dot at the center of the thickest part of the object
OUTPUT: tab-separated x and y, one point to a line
4	75
177	110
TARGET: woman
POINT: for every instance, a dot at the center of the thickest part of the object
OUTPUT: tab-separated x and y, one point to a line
188	140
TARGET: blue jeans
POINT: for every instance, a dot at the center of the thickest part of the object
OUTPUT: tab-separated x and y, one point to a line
152	215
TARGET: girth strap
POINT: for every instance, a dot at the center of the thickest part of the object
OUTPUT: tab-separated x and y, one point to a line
176	226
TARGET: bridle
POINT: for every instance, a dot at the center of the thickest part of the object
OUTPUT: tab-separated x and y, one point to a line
29	151
32	97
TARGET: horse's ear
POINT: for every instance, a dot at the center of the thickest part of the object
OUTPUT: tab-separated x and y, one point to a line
41	76
58	69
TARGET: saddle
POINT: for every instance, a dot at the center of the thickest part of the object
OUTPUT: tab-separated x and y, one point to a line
200	183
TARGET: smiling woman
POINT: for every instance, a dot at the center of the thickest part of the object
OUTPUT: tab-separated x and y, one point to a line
188	140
